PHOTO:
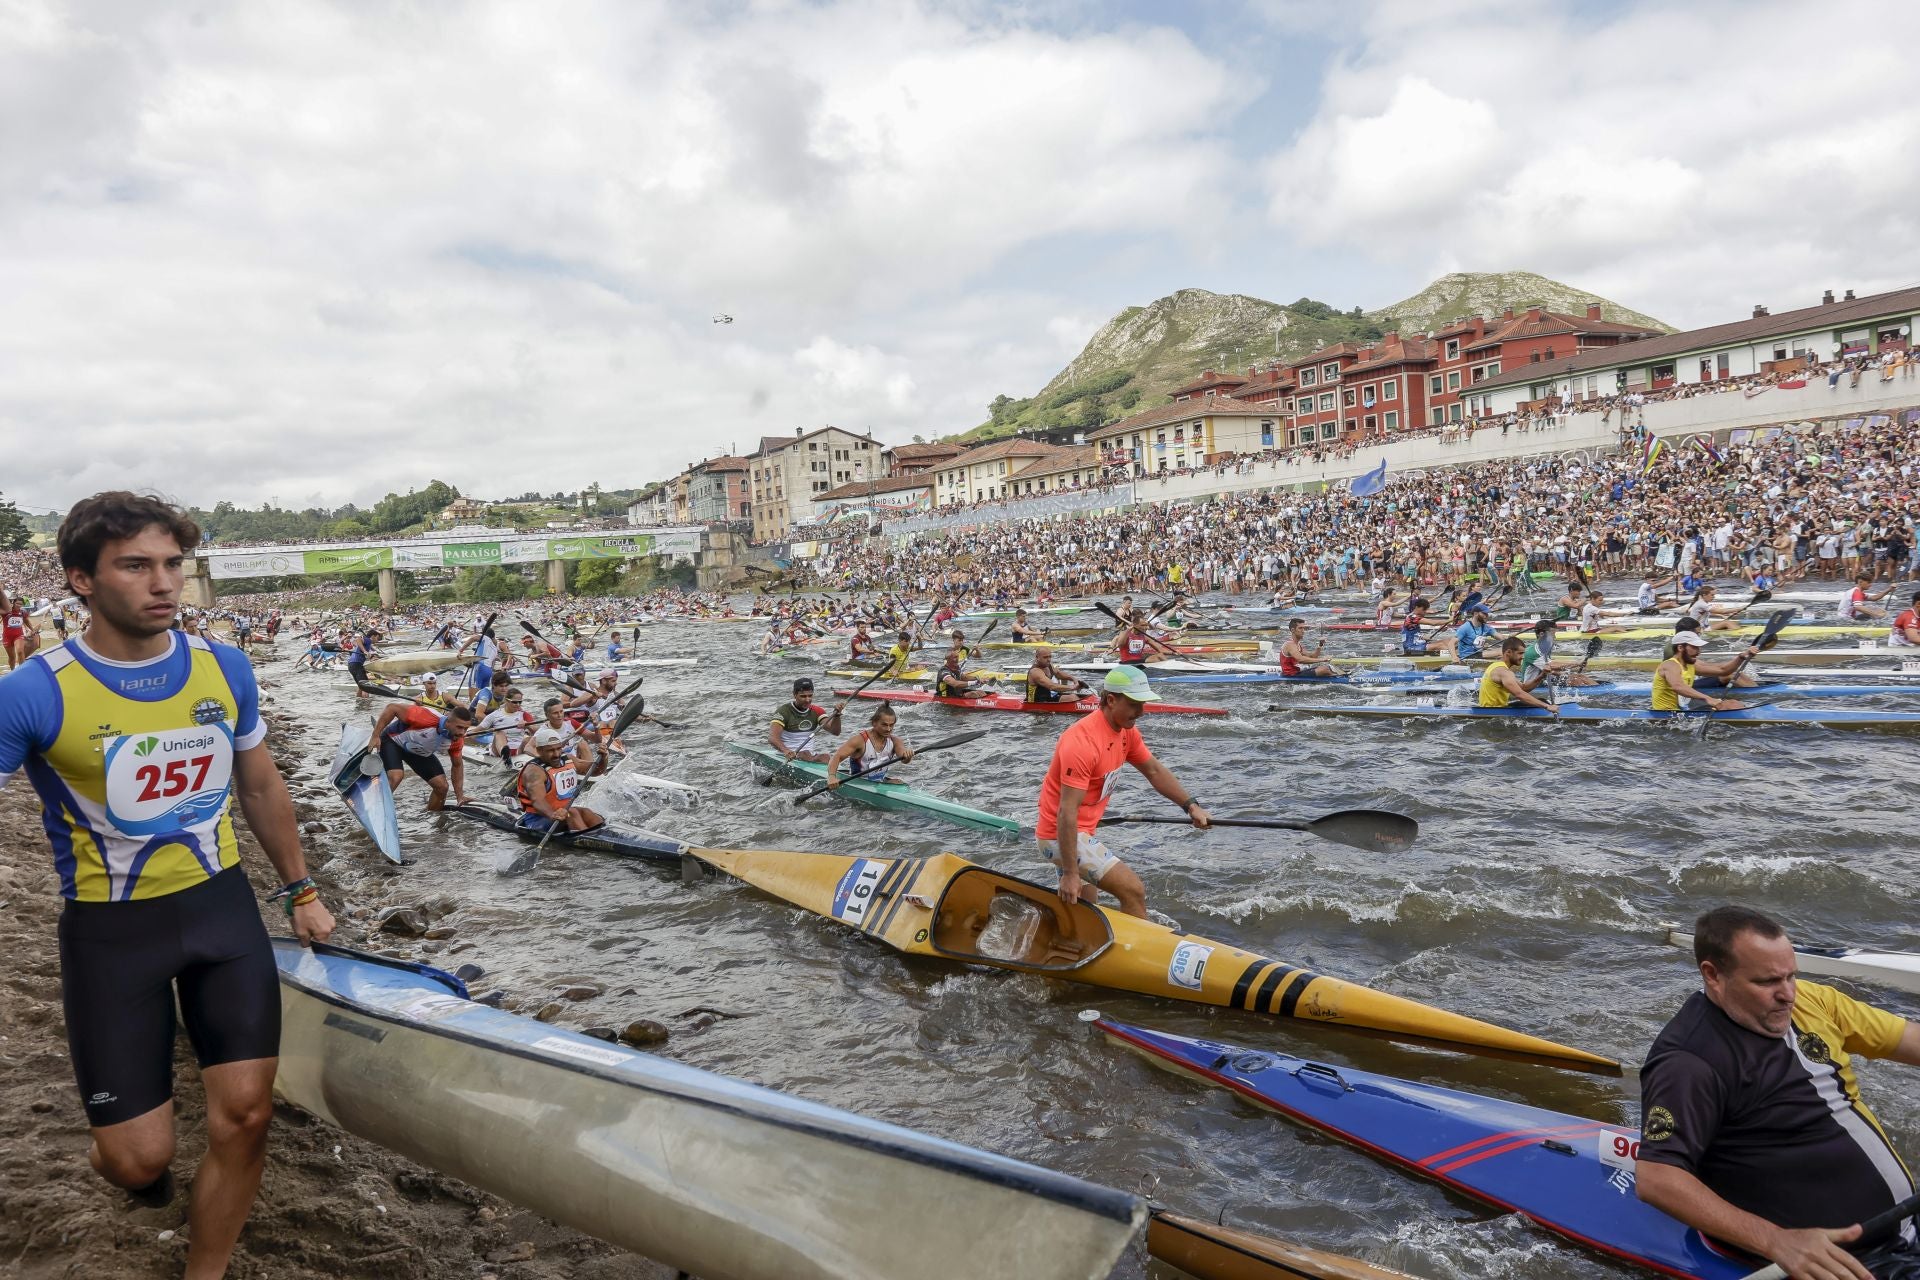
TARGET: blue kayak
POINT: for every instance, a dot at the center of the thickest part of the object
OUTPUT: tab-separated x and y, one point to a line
1572	1175
370	798
1574	713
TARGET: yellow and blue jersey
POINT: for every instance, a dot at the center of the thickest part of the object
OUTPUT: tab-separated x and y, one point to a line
133	762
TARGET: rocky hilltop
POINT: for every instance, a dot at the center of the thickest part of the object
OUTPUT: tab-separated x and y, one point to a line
1145	352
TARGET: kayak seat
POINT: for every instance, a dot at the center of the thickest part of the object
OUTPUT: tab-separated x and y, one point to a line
987	916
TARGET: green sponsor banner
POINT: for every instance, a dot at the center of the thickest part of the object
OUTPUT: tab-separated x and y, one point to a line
348	560
454	554
608	546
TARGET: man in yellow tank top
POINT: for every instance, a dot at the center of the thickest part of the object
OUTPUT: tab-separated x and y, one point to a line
1673	679
1501	686
138	738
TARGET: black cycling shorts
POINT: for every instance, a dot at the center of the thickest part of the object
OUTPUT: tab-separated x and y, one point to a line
120	964
394	756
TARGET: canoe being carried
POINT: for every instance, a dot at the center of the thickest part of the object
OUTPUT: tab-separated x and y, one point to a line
369	796
948	907
1572	1175
410	662
894	797
721	1178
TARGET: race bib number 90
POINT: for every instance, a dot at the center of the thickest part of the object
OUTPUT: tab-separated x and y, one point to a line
170	781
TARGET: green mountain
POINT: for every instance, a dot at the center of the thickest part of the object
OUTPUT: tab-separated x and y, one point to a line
1143	353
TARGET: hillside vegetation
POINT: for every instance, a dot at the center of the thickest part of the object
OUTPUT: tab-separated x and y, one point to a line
1143	353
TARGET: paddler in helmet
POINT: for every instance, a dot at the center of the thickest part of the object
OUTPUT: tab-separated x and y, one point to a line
1501	685
1295	660
547	785
1674	678
953	680
1073	797
1045	683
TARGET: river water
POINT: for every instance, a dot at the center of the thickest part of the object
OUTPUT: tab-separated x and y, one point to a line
1548	859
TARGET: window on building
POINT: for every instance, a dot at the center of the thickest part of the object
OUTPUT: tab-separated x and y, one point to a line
1370	423
1779	351
1533	357
1329	372
1479	375
1435	385
1453	411
1493	368
1347	398
1453	348
1266	433
812	445
1549	353
1308	377
1326	402
1453	380
1328	431
1390	390
1392	420
1439	416
1721	362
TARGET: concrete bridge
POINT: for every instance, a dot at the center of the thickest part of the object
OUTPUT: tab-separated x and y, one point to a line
716	553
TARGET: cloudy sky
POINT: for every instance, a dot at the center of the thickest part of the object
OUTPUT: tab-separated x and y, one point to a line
316	252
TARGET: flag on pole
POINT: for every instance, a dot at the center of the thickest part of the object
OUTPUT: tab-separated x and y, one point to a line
1369	484
1705	443
1654	445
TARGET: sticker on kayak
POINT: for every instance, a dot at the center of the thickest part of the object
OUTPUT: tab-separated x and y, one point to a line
430	1007
585	1052
1619	1150
1188	965
854	893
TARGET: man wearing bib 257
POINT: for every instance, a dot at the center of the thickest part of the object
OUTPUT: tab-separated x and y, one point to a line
137	739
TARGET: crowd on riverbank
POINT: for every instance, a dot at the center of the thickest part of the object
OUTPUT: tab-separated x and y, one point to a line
1820	503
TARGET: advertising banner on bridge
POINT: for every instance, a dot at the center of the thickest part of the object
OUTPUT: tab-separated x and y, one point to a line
621	546
267	564
455	555
347	560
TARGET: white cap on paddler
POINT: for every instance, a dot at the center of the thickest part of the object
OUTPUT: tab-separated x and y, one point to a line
1130	682
547	737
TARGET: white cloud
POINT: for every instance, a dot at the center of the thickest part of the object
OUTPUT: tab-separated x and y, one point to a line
1686	160
276	248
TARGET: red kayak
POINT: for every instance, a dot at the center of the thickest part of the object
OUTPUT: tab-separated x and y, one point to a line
1007	702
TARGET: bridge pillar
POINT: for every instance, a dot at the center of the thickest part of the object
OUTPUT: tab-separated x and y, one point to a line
389	589
198	589
556	577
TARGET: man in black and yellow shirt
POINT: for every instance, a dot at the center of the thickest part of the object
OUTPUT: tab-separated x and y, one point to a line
1753	1129
795	722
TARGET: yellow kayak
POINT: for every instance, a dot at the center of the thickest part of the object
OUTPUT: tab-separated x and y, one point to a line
948	907
920	675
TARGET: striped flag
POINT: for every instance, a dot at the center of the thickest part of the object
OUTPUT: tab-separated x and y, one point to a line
1654	445
1705	444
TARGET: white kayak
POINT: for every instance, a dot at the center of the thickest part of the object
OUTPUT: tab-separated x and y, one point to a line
1899	969
1177	666
416	661
723	1179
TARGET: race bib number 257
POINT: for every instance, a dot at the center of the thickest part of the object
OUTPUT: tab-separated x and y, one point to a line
174	780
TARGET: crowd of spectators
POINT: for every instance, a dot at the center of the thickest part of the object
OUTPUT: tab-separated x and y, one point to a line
33	572
1819	502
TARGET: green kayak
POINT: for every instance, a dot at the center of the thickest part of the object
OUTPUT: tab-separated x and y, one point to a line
895	797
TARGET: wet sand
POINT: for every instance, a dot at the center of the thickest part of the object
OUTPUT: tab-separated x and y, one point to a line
330	1204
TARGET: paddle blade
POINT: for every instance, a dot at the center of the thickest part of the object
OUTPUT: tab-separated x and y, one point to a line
1760	597
956	740
1376	830
1593	648
1770	634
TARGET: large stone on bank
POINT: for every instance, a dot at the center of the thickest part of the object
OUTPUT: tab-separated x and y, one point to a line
644	1033
403	922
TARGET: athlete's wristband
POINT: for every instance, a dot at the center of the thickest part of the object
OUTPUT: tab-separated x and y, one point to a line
291	889
1191	801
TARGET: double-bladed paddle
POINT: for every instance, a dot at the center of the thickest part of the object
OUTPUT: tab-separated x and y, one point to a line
956	740
520	864
1376	830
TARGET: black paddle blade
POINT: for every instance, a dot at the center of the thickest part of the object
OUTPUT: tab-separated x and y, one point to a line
1593	647
954	741
1376	830
1760	597
1770	634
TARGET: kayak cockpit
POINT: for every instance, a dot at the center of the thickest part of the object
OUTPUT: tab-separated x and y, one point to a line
985	916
